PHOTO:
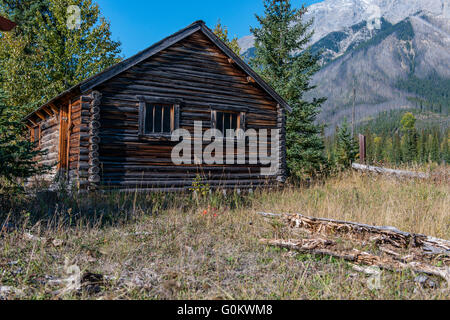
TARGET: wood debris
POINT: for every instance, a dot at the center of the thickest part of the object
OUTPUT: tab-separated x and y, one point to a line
390	249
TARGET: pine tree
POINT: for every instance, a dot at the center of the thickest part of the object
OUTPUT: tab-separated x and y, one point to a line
422	147
283	60
369	145
222	32
17	155
397	149
445	148
330	146
409	140
346	146
46	54
389	150
378	145
435	152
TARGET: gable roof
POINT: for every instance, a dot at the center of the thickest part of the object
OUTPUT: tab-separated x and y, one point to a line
115	70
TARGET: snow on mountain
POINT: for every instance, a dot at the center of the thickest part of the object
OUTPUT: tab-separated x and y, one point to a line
336	15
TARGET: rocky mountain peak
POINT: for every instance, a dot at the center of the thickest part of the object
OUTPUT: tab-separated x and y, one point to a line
336	15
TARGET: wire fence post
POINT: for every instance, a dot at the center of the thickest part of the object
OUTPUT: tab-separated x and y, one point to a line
362	149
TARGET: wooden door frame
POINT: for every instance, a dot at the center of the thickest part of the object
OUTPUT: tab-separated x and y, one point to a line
64	137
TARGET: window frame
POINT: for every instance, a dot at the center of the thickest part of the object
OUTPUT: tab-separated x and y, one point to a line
174	104
241	120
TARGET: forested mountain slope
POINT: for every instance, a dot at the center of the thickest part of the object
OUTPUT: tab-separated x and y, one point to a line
399	61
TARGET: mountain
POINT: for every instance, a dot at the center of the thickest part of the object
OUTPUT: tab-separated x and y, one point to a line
395	53
337	15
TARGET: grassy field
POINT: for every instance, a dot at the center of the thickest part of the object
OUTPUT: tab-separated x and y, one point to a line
174	247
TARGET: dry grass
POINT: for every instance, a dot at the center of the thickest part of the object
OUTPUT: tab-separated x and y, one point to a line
170	249
418	206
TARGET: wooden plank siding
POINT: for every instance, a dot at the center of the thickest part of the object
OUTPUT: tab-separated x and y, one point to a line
199	74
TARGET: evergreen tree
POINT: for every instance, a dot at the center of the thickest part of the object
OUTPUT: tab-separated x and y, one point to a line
389	150
397	149
17	155
346	146
435	152
422	147
283	60
445	148
48	52
369	146
378	145
330	146
222	33
409	140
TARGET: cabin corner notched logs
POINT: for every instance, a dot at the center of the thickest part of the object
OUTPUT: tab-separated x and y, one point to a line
94	140
88	176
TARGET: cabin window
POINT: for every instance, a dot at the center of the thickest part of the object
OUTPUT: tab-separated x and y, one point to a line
158	119
228	120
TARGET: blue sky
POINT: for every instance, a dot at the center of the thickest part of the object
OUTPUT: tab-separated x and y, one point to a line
140	23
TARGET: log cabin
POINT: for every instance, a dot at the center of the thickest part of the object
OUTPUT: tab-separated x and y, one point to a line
112	131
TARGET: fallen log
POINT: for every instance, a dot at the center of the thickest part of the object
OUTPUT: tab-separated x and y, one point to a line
394	250
399	173
329	248
364	232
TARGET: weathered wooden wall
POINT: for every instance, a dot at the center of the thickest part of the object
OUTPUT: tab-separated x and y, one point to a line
50	143
197	72
77	131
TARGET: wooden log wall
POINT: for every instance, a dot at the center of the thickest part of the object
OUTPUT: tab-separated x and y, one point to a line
282	175
198	73
79	142
50	143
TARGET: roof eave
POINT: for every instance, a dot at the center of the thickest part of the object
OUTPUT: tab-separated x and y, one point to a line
134	60
238	60
74	90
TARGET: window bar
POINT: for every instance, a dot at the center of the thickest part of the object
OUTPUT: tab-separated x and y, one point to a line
172	119
163	110
154	115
